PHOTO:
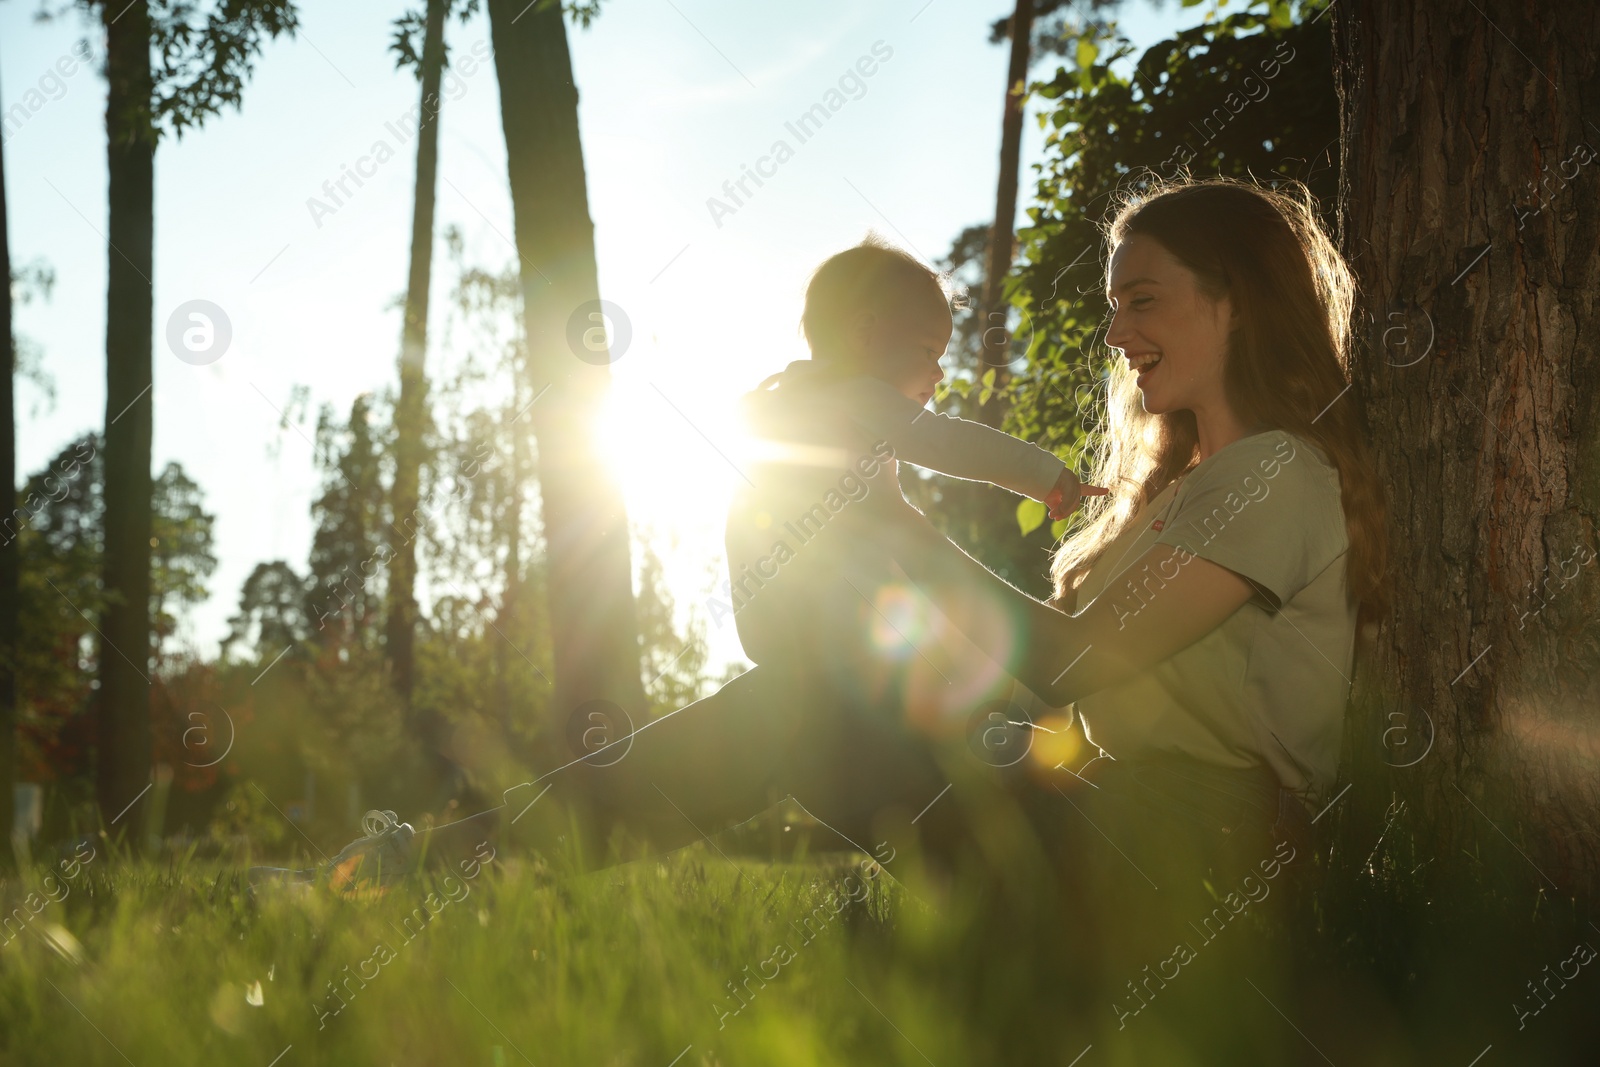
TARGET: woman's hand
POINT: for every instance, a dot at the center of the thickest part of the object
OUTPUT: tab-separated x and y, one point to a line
1062	657
1067	494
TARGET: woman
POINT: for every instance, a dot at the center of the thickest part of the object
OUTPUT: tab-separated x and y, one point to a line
1221	583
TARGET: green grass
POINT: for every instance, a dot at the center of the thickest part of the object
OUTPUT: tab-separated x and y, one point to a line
160	964
173	963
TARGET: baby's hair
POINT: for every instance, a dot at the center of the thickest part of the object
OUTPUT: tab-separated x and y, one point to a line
873	273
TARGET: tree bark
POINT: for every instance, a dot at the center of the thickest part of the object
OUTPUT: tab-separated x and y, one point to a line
10	550
123	705
1467	193
410	411
996	338
594	630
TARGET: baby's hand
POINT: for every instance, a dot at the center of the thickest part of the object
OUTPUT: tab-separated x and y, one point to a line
1068	491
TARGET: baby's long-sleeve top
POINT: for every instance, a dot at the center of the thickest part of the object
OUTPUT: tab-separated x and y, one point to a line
944	443
828	440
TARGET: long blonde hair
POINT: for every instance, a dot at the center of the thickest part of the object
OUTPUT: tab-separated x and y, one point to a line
1286	368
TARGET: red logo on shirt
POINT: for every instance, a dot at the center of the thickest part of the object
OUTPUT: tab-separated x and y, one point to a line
1157	525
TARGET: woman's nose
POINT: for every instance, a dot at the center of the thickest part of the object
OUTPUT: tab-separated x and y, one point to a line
1117	333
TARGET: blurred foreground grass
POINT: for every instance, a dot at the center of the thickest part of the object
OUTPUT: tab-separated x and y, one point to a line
698	959
162	964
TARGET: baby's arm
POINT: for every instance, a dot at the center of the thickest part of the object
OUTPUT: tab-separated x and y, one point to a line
949	445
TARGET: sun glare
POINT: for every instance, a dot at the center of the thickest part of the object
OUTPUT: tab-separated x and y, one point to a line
675	456
672	454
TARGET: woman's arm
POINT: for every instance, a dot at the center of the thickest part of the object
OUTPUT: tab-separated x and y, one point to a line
1178	598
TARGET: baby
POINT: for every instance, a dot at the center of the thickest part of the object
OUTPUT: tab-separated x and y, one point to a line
833	428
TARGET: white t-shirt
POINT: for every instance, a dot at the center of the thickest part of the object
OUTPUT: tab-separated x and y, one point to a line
1270	684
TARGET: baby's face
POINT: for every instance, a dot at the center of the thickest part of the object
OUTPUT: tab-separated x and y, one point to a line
903	344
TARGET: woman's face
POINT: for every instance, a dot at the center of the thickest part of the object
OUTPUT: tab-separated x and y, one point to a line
1159	311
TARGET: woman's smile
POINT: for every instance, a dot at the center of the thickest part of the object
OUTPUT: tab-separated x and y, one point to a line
1144	364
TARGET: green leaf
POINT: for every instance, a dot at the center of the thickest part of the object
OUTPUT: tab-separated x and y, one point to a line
1030	516
1058	528
1088	51
988	378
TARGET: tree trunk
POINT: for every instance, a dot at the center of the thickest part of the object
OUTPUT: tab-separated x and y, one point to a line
123	705
594	631
410	412
10	557
1467	209
510	600
1002	236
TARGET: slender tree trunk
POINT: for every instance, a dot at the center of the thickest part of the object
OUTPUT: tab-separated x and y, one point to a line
594	630
123	727
411	411
1469	182
10	559
1002	236
510	600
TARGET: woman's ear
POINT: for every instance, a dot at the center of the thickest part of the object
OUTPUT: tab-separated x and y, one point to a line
1235	320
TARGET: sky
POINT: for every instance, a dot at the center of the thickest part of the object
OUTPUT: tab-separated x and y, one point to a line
676	98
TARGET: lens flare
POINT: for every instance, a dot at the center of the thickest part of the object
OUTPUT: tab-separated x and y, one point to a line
901	621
